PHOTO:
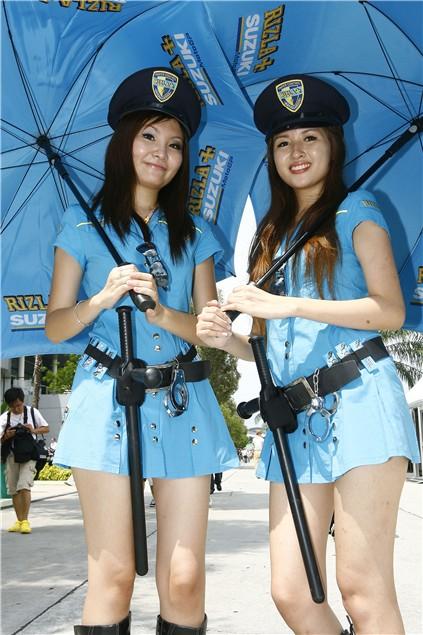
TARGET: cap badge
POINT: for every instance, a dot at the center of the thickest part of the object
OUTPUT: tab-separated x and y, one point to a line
163	85
291	94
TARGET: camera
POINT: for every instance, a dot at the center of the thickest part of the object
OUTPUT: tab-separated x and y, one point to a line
20	429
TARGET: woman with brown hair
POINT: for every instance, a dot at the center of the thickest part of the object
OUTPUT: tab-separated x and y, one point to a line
142	207
321	316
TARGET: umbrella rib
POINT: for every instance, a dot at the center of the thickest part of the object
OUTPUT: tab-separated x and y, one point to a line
36	186
94	56
383	141
35	110
70	155
376	8
81	131
367	74
410	253
389	62
99	176
24	165
12	125
420	109
25	146
76	104
364	90
21	183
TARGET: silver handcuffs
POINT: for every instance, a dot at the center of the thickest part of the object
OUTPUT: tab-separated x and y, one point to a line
177	397
317	406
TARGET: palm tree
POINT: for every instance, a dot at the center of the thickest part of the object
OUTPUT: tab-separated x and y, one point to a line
406	349
36	378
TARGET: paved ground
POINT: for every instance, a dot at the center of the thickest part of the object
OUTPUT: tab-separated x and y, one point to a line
44	573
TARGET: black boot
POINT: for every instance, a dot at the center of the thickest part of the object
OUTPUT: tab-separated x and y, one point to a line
166	628
349	631
123	628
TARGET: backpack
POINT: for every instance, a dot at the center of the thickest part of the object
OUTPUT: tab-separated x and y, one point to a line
24	445
6	446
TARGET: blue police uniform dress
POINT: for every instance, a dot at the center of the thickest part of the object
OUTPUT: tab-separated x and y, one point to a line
372	422
94	433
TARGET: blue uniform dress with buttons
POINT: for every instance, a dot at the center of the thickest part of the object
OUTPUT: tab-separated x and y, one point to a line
93	435
372	422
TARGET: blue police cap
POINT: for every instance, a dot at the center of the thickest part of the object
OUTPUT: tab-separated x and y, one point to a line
299	101
157	89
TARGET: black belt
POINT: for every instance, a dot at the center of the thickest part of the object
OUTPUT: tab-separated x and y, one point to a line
155	376
332	378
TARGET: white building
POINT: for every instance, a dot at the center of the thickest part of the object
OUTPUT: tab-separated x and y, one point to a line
415	403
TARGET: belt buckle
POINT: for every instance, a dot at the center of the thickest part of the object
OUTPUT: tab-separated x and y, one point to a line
306	385
177	397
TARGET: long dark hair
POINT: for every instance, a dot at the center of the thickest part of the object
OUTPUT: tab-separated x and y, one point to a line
116	195
322	250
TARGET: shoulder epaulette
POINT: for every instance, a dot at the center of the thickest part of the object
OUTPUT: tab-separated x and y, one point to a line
369	203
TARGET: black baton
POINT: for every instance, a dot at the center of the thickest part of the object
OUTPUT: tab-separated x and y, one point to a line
277	413
131	395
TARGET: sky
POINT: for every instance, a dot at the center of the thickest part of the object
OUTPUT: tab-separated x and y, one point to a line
249	384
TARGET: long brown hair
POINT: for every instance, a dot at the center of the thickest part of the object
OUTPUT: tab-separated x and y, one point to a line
322	250
116	194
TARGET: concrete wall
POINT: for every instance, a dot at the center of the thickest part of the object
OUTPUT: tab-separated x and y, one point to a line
52	408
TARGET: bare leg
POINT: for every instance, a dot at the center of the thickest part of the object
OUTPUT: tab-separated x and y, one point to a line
182	510
366	509
106	508
290	590
21	503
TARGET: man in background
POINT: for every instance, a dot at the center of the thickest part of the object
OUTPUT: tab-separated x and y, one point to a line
16	424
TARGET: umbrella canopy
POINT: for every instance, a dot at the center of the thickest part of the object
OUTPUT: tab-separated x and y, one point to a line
372	52
61	64
62	60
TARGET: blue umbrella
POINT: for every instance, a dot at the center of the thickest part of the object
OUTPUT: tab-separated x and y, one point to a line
61	63
62	60
371	51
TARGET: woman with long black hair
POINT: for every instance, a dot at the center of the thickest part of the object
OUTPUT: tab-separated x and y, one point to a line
142	207
321	316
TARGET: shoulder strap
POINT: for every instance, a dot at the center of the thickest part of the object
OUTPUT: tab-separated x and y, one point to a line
25	419
7	422
34	421
7	425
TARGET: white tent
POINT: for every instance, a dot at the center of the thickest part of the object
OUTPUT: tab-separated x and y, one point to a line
415	395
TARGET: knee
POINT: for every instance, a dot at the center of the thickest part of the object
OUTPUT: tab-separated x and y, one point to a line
185	583
360	593
114	579
291	602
